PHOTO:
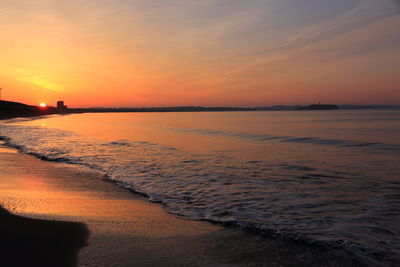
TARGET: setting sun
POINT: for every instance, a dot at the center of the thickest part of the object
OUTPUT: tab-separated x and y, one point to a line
43	105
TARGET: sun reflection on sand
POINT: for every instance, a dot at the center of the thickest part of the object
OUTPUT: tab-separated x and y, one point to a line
40	189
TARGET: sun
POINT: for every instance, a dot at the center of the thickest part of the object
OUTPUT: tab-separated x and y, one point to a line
42	105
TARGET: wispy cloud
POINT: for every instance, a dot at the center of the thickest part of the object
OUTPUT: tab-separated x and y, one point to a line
193	49
362	15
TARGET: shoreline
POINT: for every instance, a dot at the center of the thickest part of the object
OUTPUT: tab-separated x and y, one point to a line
10	109
125	228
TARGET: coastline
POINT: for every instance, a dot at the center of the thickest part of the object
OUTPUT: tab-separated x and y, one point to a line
126	229
10	109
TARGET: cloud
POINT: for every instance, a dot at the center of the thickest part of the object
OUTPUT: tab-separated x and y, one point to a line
181	46
362	15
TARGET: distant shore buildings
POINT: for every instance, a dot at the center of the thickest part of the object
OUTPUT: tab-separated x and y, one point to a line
61	106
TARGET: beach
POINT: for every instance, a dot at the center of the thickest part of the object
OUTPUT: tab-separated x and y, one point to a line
127	230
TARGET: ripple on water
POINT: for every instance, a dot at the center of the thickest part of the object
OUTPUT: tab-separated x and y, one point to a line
339	208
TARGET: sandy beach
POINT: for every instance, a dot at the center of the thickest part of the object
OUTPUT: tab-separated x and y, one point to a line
127	230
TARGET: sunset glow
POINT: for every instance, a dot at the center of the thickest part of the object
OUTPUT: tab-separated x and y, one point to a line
224	53
199	132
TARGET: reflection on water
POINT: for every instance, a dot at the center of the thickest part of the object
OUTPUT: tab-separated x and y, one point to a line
329	175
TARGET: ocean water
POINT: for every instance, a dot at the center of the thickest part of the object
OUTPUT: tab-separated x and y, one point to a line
329	177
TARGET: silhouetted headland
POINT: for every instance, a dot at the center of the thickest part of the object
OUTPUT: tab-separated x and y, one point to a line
10	109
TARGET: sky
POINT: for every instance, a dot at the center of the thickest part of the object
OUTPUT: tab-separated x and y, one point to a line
124	53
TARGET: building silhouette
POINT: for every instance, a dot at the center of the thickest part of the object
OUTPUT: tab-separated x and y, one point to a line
61	106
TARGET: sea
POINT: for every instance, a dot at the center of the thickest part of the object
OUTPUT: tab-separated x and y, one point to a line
326	177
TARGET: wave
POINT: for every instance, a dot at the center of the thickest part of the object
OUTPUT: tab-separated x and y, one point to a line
290	200
31	118
372	146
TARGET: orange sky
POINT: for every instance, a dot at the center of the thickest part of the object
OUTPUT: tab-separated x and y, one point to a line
209	52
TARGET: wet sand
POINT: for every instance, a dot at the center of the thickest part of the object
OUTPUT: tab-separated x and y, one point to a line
127	230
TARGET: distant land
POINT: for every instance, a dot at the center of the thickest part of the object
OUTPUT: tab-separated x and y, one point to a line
9	109
319	107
